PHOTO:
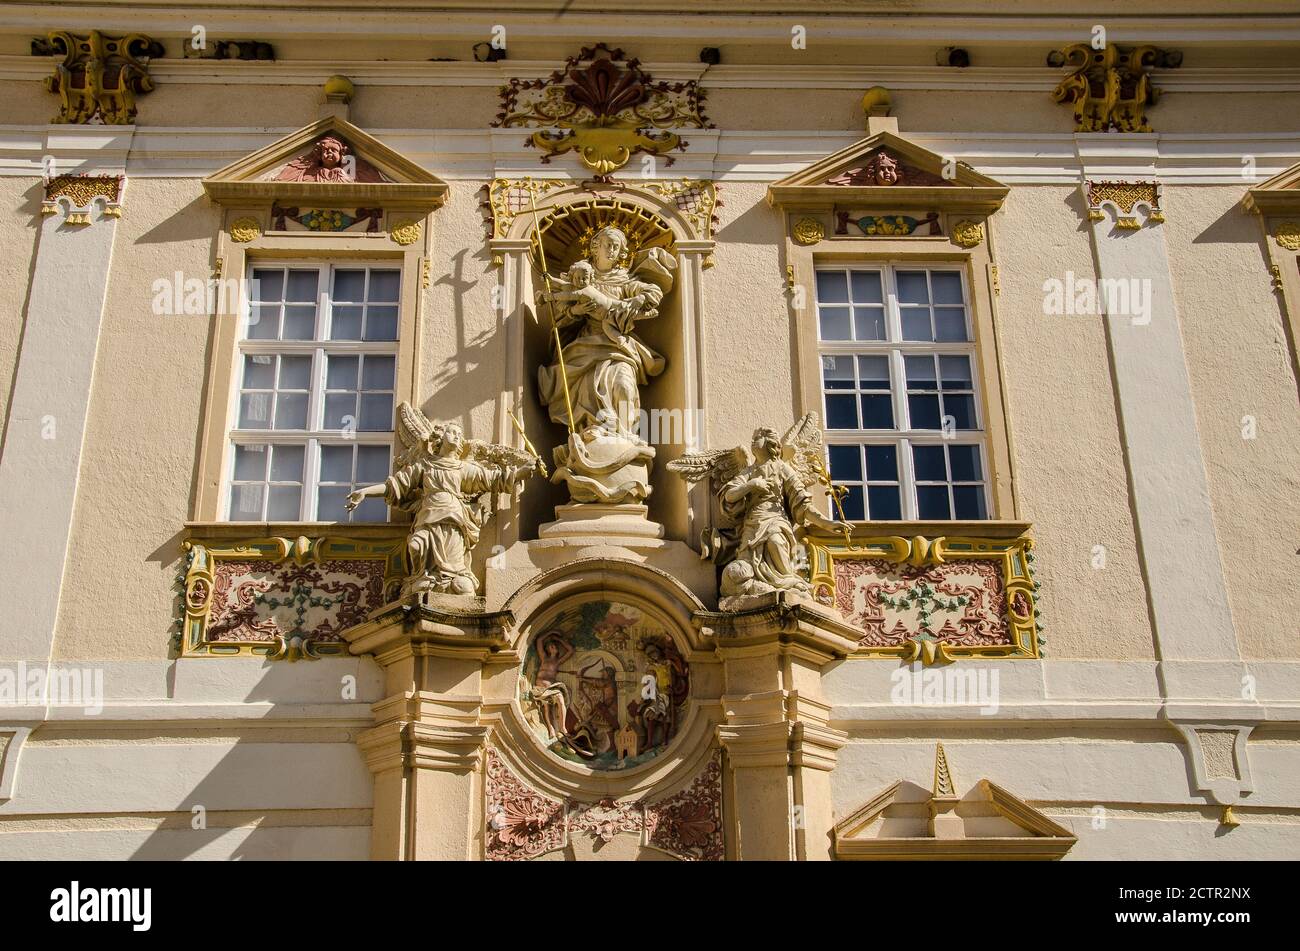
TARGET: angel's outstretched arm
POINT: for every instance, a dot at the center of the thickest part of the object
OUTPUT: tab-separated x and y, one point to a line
366	492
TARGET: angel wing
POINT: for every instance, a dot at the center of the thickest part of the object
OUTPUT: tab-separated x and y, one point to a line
801	447
494	454
719	464
413	431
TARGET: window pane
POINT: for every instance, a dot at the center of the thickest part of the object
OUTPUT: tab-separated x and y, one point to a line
255	411
268	283
246	502
346	323
284	503
911	288
916	324
350	286
286	463
329	503
841	412
259	372
384	285
381	323
832	287
929	464
852	504
250	463
955	373
882	463
336	464
837	373
949	323
341	372
924	412
869	323
377	373
883	502
866	287
947	287
877	412
846	463
299	323
264	322
302	286
969	501
371	510
834	323
965	462
962	411
873	372
376	412
372	465
932	501
920	373
340	411
295	373
291	411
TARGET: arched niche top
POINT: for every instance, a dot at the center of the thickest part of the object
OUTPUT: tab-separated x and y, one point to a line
664	213
566	230
607	579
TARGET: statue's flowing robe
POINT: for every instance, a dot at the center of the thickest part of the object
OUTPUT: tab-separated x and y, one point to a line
606	362
764	537
445	529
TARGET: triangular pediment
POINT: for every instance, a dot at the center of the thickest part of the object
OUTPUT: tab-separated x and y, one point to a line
907	821
886	169
330	160
1279	195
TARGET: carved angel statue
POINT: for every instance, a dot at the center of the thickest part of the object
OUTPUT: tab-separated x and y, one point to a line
763	502
448	482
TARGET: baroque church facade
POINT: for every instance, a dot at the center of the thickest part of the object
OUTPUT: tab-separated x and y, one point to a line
438	433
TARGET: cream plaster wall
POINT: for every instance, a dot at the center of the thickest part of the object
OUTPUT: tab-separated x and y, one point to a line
1240	365
20	207
1070	473
137	466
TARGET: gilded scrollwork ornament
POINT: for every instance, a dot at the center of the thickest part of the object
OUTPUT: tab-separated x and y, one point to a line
100	76
808	231
1110	88
605	108
968	234
1288	235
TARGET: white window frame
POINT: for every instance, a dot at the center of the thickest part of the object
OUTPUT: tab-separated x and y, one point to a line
311	438
896	348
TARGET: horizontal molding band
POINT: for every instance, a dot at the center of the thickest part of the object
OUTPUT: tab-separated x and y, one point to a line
751	21
741	76
459	154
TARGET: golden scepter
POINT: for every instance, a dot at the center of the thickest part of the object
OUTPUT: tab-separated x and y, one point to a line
528	443
836	492
546	277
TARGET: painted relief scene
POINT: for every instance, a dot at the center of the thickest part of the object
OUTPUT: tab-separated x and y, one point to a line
604	685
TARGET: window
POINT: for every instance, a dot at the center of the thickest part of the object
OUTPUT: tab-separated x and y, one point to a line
314	395
903	428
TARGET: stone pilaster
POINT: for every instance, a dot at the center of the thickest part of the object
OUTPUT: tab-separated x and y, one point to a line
779	742
426	748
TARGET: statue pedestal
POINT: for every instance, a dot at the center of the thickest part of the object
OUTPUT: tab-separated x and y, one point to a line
426	747
780	747
588	530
